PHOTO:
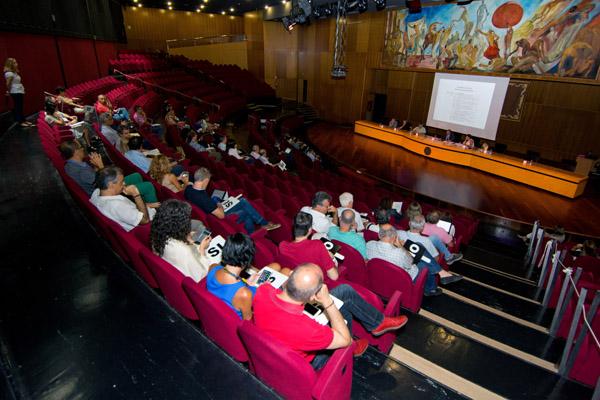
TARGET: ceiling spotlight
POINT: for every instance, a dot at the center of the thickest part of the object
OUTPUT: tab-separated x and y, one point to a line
135	1
328	10
222	12
283	1
169	3
380	4
140	5
206	1
267	7
197	10
232	9
317	12
201	6
362	6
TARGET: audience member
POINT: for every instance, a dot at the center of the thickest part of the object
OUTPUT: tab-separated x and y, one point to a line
587	248
280	314
139	116
413	210
390	248
321	206
171	238
264	158
302	249
431	229
386	204
84	174
170	116
224	280
347	202
61	100
125	135
233	151
247	215
135	155
433	244
346	234
108	198
222	143
160	171
103	105
382	216
106	129
55	117
255	153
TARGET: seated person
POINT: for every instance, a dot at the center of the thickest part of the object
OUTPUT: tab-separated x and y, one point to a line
263	157
413	210
449	137
302	249
222	143
106	129
382	216
431	229
386	204
85	174
255	153
247	215
103	105
125	135
233	151
389	248
139	116
171	239
55	117
469	143
280	314
192	140
347	202
170	116
586	249
346	234
160	171
419	130
224	280
61	99
393	123
109	199
433	244
405	125
135	155
321	206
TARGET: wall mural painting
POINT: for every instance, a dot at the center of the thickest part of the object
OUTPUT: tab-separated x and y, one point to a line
545	37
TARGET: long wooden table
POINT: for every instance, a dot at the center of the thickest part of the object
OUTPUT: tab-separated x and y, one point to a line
540	176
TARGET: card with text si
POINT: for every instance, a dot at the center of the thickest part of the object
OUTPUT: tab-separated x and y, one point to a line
215	250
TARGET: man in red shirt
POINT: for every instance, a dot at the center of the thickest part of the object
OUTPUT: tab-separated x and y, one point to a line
280	314
303	250
103	105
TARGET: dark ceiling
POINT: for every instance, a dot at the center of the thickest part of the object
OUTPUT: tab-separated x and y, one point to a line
208	6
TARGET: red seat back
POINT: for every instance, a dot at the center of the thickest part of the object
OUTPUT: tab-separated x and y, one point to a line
169	280
219	322
385	278
354	266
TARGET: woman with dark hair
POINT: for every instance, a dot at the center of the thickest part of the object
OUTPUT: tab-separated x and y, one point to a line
171	239
224	280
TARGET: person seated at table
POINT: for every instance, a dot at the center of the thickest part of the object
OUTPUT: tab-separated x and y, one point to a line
469	143
160	171
103	105
393	123
419	130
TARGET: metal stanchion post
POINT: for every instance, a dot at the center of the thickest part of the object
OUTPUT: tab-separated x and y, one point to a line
538	245
549	252
571	336
551	279
565	296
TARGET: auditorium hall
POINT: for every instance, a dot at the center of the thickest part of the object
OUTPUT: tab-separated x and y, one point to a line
300	199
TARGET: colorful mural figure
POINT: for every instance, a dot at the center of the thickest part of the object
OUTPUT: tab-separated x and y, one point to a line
547	37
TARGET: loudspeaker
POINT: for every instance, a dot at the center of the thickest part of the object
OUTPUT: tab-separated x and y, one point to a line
414	6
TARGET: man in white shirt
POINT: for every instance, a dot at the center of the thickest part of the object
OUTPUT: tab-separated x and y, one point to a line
321	205
255	153
347	202
106	120
108	199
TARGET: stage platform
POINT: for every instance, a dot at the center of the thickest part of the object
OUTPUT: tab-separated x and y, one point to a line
539	176
458	185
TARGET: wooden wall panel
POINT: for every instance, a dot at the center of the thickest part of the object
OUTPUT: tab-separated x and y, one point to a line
149	28
253	29
217	53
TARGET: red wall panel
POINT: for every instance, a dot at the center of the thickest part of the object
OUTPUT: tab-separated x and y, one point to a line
105	51
78	59
38	63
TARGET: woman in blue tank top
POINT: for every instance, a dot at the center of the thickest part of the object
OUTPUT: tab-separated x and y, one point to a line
224	280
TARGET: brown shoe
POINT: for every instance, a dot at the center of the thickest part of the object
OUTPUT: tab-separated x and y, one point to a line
271	226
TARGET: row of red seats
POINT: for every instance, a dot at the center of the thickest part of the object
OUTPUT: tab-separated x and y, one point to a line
124	96
218	321
89	91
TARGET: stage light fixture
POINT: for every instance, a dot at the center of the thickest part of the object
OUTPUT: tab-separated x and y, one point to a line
380	4
197	10
135	1
170	8
288	23
222	12
327	10
232	9
316	12
363	6
414	6
267	7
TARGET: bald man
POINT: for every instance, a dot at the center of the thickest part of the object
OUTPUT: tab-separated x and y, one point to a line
280	313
